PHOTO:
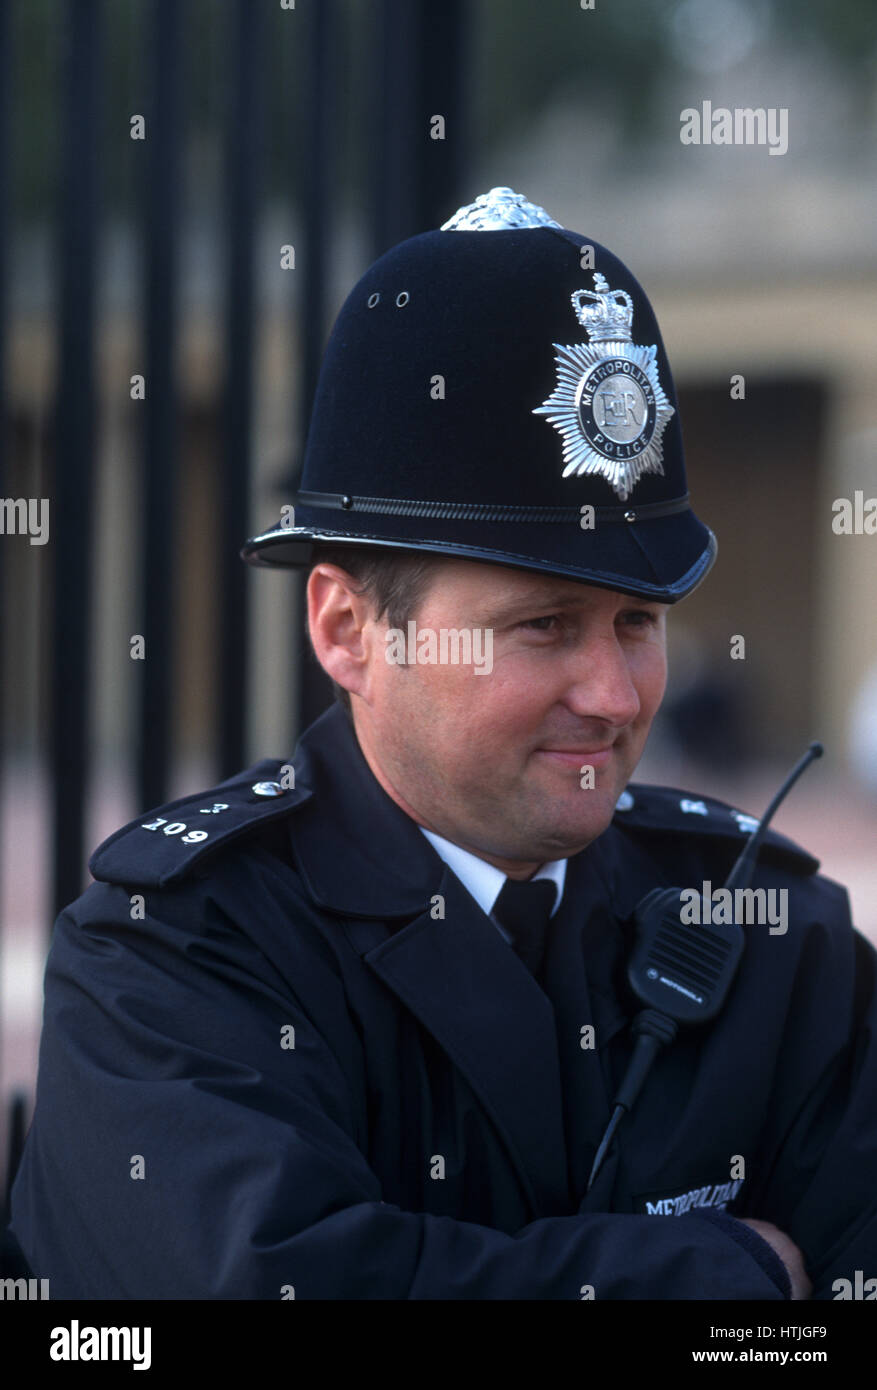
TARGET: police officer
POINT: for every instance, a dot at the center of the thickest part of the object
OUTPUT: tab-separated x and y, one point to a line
352	1024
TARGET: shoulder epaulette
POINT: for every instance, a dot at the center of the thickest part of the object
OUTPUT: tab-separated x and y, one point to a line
671	811
165	845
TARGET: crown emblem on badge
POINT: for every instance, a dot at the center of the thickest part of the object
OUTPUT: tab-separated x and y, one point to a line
608	405
609	315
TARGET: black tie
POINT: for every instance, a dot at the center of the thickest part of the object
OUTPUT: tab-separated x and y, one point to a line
524	908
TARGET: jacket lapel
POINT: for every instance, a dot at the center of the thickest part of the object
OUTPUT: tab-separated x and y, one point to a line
480	1002
584	950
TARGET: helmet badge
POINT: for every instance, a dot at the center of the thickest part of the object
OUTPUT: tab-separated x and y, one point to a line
608	404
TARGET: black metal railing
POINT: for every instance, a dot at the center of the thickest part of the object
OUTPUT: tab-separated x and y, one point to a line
411	67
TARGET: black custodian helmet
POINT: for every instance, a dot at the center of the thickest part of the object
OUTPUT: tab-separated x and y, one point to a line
498	390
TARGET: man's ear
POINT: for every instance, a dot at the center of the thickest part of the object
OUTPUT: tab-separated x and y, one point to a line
337	617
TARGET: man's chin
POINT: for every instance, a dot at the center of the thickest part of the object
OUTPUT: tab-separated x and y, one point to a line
579	791
557	836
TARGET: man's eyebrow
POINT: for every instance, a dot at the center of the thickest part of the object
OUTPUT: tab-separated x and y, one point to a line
536	599
544	602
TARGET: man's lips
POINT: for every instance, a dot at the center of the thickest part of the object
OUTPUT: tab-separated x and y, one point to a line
583	757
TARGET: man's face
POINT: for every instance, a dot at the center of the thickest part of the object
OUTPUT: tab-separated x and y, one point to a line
493	761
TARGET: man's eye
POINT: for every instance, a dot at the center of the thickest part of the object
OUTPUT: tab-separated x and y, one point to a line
640	617
541	624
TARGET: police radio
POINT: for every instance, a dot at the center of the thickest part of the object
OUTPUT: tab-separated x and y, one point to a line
682	973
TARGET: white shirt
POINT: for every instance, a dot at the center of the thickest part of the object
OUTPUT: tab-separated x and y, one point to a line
484	881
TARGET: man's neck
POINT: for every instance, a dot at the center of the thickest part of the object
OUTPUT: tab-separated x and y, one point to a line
513	868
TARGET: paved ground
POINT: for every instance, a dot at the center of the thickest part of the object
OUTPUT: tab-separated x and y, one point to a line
834	820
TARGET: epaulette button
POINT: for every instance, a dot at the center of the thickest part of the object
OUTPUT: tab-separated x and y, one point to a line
268	789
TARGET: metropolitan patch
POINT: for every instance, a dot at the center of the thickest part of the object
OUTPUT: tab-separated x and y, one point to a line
672	1202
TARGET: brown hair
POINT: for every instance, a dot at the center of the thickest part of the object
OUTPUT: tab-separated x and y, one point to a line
394	581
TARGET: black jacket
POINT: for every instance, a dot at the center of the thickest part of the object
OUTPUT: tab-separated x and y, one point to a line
270	1067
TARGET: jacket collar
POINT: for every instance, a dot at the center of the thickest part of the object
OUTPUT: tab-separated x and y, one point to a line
358	852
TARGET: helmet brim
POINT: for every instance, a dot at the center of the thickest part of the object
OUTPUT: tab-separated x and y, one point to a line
663	559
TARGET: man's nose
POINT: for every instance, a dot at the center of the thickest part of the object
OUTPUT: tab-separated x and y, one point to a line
601	685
